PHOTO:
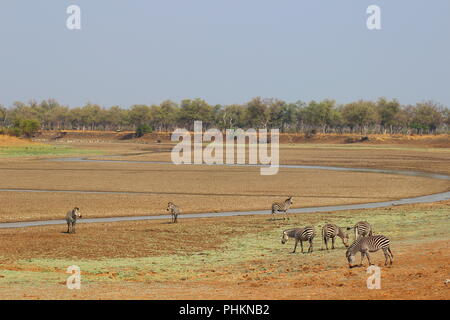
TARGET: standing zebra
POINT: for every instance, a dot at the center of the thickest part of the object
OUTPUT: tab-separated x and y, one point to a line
362	228
300	235
71	218
174	211
369	244
332	231
282	207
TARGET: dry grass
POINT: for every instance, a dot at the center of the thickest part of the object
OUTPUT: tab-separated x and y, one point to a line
194	188
9	141
226	258
220	258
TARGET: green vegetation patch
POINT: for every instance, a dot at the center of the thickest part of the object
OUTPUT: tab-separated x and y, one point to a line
256	253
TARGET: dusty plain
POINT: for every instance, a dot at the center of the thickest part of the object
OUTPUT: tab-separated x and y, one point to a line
217	258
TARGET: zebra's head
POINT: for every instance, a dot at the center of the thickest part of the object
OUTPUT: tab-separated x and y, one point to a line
350	258
169	206
290	200
284	237
76	212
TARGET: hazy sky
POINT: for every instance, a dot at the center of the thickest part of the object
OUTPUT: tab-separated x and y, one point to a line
225	51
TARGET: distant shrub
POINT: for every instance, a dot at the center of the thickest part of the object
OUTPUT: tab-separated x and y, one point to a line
143	129
365	138
26	127
14	131
310	133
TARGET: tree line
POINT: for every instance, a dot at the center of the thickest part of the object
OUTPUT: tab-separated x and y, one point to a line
362	116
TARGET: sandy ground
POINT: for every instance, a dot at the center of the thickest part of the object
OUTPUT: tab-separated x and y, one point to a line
226	258
9	141
221	258
211	188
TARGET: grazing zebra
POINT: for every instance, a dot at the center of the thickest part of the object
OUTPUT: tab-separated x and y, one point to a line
369	244
71	218
174	211
300	235
362	228
332	231
282	207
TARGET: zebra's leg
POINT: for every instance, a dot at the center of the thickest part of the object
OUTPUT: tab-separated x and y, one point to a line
68	227
310	246
386	256
326	242
73	226
295	246
332	243
176	218
301	243
323	240
286	215
392	256
362	258
368	258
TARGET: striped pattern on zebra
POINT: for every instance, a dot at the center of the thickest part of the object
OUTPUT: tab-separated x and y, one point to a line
300	234
174	211
362	229
282	207
331	231
369	244
71	219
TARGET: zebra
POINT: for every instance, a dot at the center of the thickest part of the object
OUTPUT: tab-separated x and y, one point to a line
332	231
282	207
300	234
71	218
362	228
174	211
369	244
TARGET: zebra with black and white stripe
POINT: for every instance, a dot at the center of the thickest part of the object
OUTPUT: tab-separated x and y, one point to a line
71	219
331	231
282	207
174	211
300	234
369	244
362	229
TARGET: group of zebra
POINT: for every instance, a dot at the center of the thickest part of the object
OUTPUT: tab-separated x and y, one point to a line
364	243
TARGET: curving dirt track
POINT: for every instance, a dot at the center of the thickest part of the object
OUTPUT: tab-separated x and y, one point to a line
442	196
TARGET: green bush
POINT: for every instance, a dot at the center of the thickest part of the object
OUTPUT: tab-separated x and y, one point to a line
143	129
25	127
14	131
